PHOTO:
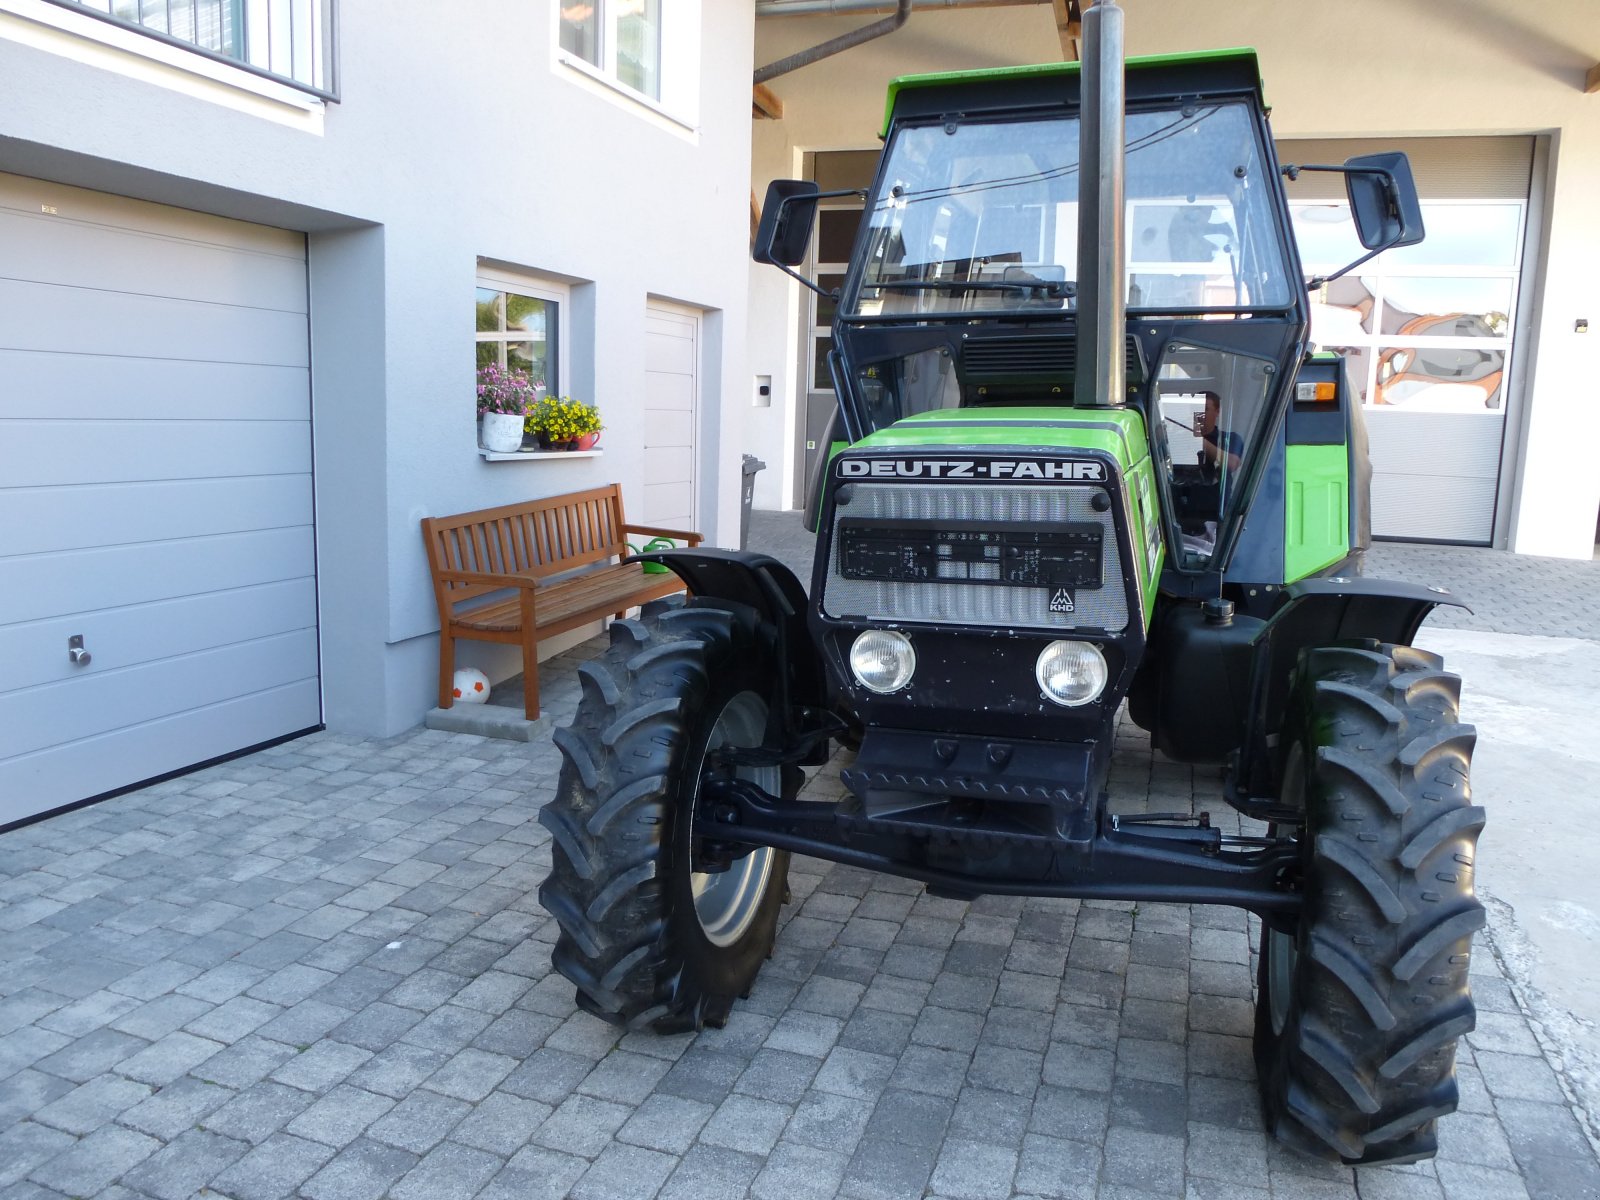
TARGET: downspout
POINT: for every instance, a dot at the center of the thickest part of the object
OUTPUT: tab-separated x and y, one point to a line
1102	300
847	41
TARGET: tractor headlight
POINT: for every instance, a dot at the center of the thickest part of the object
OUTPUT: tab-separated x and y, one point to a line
882	660
1071	673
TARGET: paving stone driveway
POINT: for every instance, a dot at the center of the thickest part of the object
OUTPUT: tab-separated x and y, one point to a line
321	970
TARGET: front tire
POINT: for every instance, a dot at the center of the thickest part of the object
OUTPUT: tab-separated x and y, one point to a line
1360	1007
649	939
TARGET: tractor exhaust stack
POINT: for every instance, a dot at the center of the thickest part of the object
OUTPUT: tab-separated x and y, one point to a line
1102	297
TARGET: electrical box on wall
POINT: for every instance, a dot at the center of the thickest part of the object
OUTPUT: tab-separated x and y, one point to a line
762	398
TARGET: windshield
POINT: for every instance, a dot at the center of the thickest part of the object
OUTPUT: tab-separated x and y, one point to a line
976	217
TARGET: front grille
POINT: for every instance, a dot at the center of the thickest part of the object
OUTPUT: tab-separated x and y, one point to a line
970	601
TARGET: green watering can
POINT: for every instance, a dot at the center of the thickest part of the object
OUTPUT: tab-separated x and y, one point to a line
654	544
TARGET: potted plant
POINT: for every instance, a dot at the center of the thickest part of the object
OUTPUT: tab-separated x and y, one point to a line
504	397
561	421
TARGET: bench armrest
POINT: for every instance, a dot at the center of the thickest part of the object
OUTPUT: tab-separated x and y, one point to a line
505	581
694	539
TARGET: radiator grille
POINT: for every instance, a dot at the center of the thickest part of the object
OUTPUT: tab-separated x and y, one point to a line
1105	607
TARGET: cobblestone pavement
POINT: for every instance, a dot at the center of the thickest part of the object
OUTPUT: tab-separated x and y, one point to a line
322	970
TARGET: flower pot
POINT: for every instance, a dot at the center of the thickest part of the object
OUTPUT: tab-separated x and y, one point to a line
587	441
502	432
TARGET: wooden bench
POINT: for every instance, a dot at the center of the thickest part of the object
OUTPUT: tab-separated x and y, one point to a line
521	573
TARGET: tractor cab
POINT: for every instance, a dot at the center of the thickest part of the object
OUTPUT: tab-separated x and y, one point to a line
963	291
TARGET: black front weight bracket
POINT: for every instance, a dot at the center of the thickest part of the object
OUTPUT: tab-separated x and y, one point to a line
1159	864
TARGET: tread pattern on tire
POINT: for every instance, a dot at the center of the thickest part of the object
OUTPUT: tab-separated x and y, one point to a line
611	822
1365	1064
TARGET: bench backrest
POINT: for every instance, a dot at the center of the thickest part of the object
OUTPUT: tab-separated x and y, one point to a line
536	538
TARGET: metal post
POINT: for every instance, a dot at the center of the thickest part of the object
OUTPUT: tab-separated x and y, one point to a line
1102	300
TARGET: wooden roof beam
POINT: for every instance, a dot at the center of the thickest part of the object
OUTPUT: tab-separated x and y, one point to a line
1591	82
1068	15
764	104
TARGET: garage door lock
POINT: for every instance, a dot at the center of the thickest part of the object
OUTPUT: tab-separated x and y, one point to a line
76	652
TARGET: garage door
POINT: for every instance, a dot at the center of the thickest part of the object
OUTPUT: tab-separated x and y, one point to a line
157	568
672	360
1430	331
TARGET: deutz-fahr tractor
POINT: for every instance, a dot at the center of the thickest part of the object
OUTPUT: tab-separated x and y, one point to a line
1084	460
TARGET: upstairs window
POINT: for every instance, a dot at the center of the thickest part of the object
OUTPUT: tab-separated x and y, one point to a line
648	50
620	37
287	40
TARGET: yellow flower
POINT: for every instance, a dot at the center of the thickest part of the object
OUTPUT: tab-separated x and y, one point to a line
563	419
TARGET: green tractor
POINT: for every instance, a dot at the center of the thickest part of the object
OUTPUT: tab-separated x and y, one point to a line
1084	459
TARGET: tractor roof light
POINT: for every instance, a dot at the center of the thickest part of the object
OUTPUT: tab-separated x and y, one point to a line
1071	673
882	660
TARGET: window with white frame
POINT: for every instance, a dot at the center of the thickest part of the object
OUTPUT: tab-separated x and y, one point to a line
1426	327
520	327
287	40
649	48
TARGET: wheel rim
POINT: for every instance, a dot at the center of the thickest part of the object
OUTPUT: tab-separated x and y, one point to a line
1282	956
726	902
1282	949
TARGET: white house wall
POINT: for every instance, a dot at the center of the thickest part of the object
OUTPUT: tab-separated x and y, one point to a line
455	140
1368	68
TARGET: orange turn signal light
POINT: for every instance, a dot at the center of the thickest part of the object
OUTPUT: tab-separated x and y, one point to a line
1308	392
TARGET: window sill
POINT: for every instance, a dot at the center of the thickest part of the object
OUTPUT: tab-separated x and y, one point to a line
534	455
595	75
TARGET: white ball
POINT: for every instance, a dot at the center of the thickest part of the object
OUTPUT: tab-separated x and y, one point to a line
471	686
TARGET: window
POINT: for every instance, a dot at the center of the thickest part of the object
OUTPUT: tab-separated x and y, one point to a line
287	40
837	222
982	216
647	49
519	328
1426	327
621	37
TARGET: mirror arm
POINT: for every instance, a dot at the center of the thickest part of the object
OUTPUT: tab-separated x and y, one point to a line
1292	171
835	194
1317	281
793	274
812	198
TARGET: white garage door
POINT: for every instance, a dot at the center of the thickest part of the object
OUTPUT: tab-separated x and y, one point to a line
155	492
672	360
1429	331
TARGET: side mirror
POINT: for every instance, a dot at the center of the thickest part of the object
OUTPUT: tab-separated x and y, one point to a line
786	221
1383	200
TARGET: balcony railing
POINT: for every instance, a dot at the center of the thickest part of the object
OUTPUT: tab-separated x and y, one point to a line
291	41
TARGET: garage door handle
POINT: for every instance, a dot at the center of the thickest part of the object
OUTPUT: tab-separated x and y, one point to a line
76	652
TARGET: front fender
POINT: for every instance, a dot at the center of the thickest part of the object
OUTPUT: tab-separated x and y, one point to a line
762	583
1337	608
1321	612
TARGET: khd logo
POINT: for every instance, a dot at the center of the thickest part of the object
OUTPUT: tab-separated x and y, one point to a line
1061	601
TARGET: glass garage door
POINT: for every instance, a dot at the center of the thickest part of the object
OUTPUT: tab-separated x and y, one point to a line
1429	330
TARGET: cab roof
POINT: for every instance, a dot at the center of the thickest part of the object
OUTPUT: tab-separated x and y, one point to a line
1155	76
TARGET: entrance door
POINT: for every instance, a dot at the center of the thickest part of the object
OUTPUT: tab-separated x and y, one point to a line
155	493
671	398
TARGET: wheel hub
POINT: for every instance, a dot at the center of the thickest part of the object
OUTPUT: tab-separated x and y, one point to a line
726	899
